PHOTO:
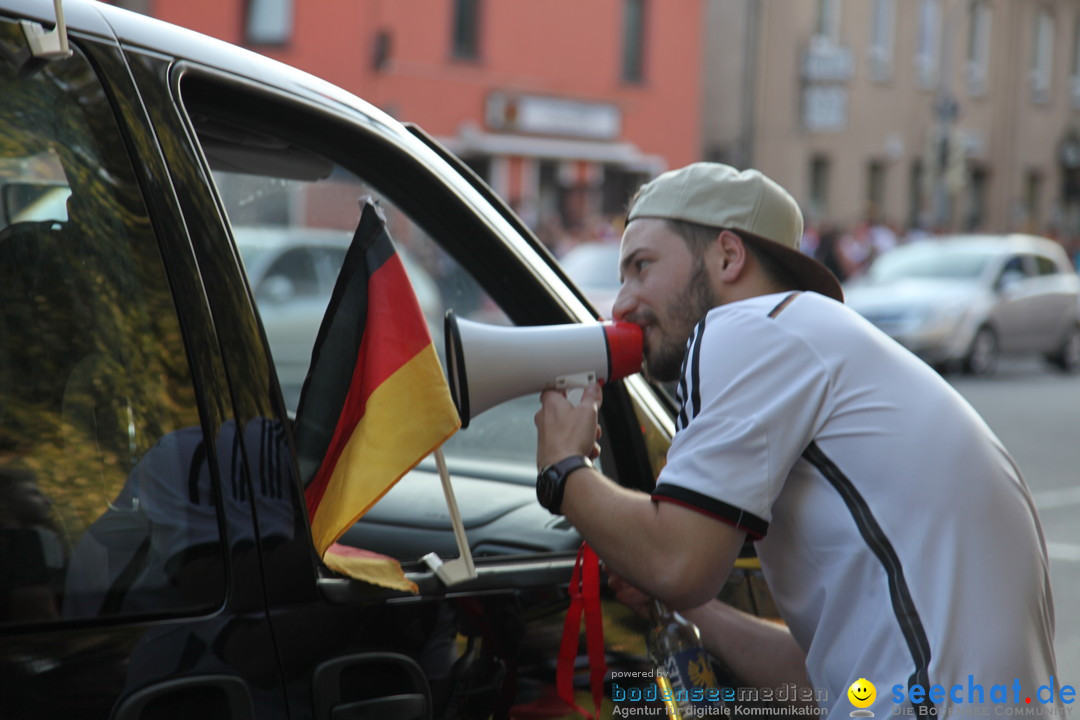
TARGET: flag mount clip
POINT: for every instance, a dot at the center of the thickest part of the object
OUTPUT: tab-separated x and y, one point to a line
460	569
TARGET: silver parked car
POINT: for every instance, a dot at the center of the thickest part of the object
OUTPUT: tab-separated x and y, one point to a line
969	299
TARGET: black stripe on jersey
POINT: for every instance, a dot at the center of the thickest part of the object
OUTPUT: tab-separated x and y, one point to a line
689	390
754	526
903	605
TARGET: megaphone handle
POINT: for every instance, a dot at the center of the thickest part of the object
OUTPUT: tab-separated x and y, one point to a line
574	385
455	514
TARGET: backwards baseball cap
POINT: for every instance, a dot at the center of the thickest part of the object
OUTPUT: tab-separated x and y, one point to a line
722	197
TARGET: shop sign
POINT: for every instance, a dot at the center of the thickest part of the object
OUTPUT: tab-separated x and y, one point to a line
540	115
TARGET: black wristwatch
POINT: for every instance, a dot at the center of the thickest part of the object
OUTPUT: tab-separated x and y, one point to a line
551	482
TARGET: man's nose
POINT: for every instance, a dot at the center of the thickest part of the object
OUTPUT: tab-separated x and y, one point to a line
624	304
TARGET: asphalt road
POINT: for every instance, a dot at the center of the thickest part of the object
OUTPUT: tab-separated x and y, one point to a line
1035	411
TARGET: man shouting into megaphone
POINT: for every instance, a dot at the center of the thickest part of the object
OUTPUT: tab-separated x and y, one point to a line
882	505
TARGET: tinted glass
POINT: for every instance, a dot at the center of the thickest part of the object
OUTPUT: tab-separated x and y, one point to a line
105	507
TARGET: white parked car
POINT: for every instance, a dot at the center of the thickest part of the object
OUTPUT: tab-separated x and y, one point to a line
969	299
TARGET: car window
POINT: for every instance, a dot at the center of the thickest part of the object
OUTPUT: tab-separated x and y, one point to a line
1015	268
1045	265
297	253
98	417
311	200
1018	264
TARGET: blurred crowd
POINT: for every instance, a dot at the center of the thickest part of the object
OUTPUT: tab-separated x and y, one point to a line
849	252
846	250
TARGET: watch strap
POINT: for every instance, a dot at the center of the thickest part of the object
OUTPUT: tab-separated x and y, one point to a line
551	483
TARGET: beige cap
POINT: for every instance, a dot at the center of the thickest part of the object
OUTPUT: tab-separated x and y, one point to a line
720	196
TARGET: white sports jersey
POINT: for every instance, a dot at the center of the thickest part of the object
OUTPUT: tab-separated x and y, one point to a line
897	536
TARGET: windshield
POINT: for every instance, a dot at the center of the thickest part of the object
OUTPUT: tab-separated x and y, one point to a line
931	261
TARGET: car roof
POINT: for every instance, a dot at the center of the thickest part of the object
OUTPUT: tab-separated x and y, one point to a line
1003	243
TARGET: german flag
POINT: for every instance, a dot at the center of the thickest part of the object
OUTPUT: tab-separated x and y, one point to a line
375	401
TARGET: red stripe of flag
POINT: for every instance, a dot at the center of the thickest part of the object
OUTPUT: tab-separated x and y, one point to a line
396	328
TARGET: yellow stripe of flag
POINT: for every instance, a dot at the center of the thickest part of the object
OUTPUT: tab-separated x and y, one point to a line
407	416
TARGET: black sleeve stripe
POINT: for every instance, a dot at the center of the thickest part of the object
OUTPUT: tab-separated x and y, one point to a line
754	526
688	393
695	370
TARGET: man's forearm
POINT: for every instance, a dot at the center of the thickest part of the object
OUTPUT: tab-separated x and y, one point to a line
760	653
645	541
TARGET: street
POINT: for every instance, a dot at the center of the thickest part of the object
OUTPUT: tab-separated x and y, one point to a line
1036	413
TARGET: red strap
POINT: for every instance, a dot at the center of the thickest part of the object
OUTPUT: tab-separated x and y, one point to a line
584	599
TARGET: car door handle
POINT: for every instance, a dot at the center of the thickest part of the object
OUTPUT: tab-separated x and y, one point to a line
216	696
371	686
409	706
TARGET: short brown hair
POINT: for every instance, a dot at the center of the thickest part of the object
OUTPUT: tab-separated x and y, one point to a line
697	238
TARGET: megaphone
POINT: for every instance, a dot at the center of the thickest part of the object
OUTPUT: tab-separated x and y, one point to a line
489	364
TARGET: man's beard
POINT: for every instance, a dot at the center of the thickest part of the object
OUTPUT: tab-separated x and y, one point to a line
664	362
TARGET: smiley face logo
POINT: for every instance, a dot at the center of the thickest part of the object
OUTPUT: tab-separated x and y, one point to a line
862	693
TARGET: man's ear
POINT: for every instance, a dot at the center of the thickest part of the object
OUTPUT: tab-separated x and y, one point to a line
732	256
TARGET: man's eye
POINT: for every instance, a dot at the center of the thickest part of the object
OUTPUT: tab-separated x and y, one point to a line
640	265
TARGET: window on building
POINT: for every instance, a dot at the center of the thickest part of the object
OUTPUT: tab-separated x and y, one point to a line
1032	194
976	214
466	40
819	186
915	194
1042	57
882	30
633	55
978	49
875	189
618	187
1074	79
382	49
269	22
139	6
828	21
928	44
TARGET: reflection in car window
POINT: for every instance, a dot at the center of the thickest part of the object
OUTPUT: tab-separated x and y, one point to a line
86	405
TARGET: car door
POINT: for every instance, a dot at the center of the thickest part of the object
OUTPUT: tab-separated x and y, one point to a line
130	585
484	648
1015	304
1055	297
489	646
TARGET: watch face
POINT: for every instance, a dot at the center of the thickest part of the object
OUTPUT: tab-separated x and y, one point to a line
545	487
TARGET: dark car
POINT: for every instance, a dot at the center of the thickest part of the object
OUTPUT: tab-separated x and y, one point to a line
155	551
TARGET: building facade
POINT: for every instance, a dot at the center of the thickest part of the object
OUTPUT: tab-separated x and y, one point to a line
944	115
563	107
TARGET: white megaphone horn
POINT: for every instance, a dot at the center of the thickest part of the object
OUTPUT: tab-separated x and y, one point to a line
489	364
